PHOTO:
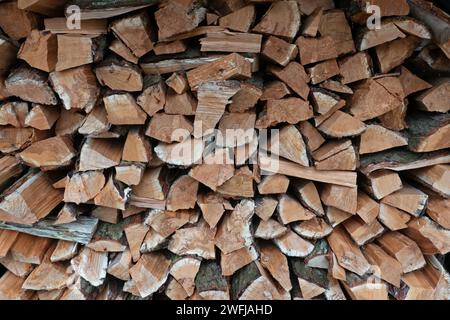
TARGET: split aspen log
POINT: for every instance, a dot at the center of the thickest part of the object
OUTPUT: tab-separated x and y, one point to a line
312	23
212	208
291	210
433	99
42	117
182	194
279	51
429	236
30	85
295	76
348	254
100	154
68	122
265	207
105	214
119	75
228	67
314	229
389	269
134	31
273	184
393	218
131	175
313	138
122	109
49	154
88	49
11	288
293	245
377	138
340	197
323	71
411	83
236	260
394	53
210	282
246	98
408	199
135	233
270	229
361	232
112	196
282	19
8	237
342	124
356	67
153	97
64	250
182	104
30	249
213	96
239	20
371	38
276	263
34	205
14	113
136	148
435	177
84	186
176	46
367	208
313	50
10	167
118	47
240	185
334	24
274	90
16	23
324	101
40	50
436	210
92	266
163	127
178	82
403	249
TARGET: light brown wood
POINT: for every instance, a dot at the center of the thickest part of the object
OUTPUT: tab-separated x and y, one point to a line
84	186
348	254
122	50
344	198
293	245
75	50
436	210
231	42
134	31
278	50
408	199
371	38
290	210
311	25
308	195
403	249
30	249
276	263
165	127
356	67
393	218
432	99
282	19
40	50
323	71
100	154
382	183
361	232
239	20
16	23
429	236
270	229
293	75
119	75
7	238
367	209
334	24
313	50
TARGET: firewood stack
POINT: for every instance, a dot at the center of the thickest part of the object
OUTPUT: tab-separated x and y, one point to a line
339	188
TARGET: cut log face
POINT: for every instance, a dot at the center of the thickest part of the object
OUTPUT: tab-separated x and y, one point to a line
403	249
282	19
334	24
429	136
49	153
429	236
313	50
100	154
408	199
291	210
294	76
356	67
279	51
293	245
40	50
134	31
119	75
433	99
372	38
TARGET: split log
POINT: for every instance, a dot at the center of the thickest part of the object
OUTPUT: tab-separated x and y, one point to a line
313	50
119	105
112	195
436	210
182	194
403	249
372	38
134	31
118	47
88	49
11	288
429	135
388	268
265	207
313	138
434	177
30	85
279	51
356	67
308	195
16	23
348	254
377	138
382	183
100	154
7	238
290	210
42	117
432	99
361	232
270	229
334	24
64	250
276	263
176	46
408	199
323	71
274	90
40	50
119	75
58	25
293	245
84	186
231	42
429	236
239	20
393	218
10	167
316	228
282	19
210	282
290	110
312	23
182	104
342	124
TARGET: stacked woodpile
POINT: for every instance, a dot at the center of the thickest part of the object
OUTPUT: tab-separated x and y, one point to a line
336	186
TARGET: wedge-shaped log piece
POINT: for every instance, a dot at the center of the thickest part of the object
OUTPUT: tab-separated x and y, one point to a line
293	245
265	207
112	196
405	250
308	195
246	98
233	233
30	249
274	184
356	67
411	84
64	250
367	209
42	117
119	75
76	50
323	71
429	236
91	266
382	183
77	88
47	276
388	269
185	153
213	96
153	98
274	90
197	240
135	233
270	229
311	25
372	99
408	199
118	47
290	210
7	237
314	229
290	110
428	133
212	207
394	53
136	148
340	197
437	178
17	24
239	20
122	109
174	18
184	270
164	127
433	100
436	210
100	154
313	50
84	186
312	281
182	193
50	153
330	149
377	138
361	232
276	263
240	185
134	31
365	287
393	218
341	125
348	254
279	51
40	50
313	138
11	288
232	262
29	199
14	113
228	67
129	174
334	24
20	269
295	76
30	85
119	265
371	38
152	185
288	143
